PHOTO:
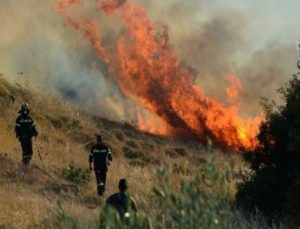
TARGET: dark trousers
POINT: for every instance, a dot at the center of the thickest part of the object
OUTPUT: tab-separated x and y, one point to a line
26	144
101	181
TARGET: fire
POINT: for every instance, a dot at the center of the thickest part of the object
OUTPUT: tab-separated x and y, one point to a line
153	124
148	71
235	87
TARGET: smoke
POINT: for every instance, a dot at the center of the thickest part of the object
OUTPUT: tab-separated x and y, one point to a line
212	39
267	71
207	41
35	42
247	38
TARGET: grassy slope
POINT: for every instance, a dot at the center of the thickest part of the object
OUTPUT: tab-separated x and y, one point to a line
66	134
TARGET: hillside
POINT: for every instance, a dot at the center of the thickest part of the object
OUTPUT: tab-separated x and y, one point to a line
28	199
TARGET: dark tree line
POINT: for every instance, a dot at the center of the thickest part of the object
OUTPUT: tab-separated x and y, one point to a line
274	188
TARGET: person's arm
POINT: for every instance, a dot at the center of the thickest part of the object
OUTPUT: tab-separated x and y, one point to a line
34	131
109	156
108	201
133	204
18	128
91	158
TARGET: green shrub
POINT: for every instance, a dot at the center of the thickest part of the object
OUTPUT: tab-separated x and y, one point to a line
76	175
276	161
293	202
202	202
181	169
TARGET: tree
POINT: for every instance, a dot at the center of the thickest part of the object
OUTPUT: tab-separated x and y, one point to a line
276	161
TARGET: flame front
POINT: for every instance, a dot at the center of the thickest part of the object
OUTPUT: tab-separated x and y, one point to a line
148	71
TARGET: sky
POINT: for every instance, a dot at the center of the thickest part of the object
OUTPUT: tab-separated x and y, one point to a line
269	20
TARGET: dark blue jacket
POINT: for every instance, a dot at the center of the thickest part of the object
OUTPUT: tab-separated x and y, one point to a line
25	127
100	155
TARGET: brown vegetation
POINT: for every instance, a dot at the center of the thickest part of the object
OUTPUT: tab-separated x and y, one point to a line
28	197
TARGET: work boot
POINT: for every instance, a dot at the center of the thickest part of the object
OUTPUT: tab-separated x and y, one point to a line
101	189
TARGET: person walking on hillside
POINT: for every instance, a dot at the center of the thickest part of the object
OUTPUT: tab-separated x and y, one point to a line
122	202
101	157
25	130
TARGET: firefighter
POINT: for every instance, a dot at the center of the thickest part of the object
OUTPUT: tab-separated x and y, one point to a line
101	158
122	202
25	131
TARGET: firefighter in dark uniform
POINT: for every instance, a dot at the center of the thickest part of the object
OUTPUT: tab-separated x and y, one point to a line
25	130
122	202
101	158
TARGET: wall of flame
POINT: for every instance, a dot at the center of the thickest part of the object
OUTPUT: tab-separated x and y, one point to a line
149	71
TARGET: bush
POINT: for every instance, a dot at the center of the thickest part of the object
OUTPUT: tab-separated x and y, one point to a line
202	202
76	175
293	202
276	161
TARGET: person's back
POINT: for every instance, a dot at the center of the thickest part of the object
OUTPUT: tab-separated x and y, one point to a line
25	126
101	155
121	201
25	130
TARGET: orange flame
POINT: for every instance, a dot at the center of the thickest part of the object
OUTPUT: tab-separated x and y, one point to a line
235	87
153	125
148	71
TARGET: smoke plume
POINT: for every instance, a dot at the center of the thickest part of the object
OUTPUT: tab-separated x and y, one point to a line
211	41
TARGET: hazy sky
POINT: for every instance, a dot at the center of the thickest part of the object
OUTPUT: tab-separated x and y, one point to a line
268	20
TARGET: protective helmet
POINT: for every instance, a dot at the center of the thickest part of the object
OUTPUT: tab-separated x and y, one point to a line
24	108
123	186
99	138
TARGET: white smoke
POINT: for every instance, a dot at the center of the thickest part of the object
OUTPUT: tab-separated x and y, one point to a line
212	37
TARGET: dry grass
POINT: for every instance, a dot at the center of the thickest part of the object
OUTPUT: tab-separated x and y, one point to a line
22	208
66	135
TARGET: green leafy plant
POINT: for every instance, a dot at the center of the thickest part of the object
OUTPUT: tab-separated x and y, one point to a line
202	202
276	161
293	202
76	175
